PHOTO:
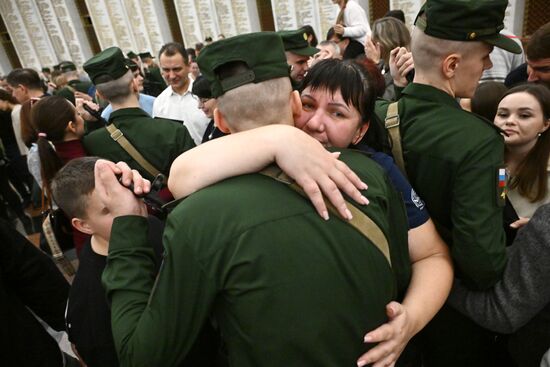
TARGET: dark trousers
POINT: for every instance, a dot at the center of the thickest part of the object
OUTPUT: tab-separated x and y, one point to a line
452	339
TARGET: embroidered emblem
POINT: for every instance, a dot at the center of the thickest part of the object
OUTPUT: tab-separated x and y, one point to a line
416	200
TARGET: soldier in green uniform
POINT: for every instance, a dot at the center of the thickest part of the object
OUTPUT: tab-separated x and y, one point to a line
154	83
297	51
286	287
453	160
74	84
158	141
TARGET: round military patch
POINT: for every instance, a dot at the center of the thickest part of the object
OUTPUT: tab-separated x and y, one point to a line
416	200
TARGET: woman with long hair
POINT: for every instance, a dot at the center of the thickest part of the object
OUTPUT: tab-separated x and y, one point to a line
524	115
59	129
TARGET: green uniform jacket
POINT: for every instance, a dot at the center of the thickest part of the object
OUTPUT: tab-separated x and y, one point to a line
285	287
68	91
159	141
452	159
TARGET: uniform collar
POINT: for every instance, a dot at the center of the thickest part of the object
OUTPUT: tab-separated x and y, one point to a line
128	112
424	91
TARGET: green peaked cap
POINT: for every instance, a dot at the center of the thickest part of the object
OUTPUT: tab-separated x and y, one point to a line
261	52
106	66
466	20
296	42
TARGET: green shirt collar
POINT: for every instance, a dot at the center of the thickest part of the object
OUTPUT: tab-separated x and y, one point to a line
424	91
131	112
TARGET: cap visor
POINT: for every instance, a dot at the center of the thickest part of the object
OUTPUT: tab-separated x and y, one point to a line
505	43
306	51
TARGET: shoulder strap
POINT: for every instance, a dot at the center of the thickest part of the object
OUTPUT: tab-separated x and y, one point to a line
119	137
360	221
392	125
58	255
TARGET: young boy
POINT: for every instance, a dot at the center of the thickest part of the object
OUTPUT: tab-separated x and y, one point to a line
88	316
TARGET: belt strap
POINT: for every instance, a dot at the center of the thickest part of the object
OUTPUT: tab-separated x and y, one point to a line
392	125
360	221
119	137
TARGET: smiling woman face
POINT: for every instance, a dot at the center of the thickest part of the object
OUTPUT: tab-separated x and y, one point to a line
326	117
520	115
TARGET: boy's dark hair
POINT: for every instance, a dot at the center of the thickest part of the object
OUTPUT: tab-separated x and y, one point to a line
173	48
27	77
72	185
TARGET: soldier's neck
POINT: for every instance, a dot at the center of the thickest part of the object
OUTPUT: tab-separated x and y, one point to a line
130	102
444	85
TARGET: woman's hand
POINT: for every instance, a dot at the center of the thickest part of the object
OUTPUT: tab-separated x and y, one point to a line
372	50
392	337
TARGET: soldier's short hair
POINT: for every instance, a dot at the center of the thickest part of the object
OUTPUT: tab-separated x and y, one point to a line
26	77
250	104
116	91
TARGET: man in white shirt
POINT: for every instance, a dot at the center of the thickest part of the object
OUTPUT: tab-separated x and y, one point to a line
177	102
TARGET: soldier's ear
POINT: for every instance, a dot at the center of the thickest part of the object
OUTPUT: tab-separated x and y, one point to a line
450	65
221	122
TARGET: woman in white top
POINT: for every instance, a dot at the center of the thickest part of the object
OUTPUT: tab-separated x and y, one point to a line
352	21
524	115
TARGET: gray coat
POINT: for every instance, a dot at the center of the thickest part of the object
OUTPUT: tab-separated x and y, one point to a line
519	304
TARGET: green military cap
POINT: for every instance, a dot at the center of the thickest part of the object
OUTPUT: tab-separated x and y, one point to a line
106	66
145	55
262	52
131	55
466	20
45	70
296	42
66	66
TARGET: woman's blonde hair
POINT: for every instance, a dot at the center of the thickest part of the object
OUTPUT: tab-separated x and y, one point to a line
390	33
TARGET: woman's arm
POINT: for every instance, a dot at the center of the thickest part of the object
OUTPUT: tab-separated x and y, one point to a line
300	156
523	290
432	276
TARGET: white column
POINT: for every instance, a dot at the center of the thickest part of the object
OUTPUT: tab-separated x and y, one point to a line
102	23
54	31
291	14
121	25
73	17
243	16
189	23
152	19
138	28
19	35
328	11
226	18
207	18
5	64
513	20
284	14
72	31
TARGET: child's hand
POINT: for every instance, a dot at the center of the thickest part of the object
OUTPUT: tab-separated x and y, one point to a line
116	197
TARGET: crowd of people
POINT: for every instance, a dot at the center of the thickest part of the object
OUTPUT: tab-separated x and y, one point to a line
380	197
